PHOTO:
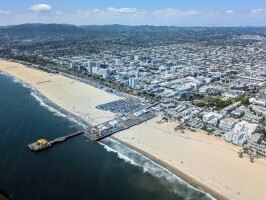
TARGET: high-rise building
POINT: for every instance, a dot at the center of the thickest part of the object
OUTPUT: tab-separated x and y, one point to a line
118	61
15	51
104	72
133	82
90	65
73	64
95	70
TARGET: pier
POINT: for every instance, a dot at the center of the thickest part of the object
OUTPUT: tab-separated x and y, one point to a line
43	144
100	131
109	128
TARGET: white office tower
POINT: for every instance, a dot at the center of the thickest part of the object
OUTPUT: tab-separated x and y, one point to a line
133	82
118	61
73	64
15	51
90	65
95	70
136	58
104	72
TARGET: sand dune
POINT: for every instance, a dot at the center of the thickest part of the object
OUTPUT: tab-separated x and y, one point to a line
203	160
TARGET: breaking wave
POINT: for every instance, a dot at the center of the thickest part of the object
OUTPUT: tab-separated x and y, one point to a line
16	80
121	156
173	182
130	156
45	104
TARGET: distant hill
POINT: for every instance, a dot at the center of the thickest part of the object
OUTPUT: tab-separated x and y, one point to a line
41	31
57	32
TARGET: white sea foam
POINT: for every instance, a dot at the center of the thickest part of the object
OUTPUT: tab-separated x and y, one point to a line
55	111
148	166
6	74
108	149
26	85
15	80
121	156
42	102
46	106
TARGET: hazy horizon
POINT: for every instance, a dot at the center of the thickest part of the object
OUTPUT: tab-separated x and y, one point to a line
206	13
248	26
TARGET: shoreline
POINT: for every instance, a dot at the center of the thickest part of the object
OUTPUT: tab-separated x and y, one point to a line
185	177
191	178
53	99
65	111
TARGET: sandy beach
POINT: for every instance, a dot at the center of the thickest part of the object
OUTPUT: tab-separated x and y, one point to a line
78	98
202	160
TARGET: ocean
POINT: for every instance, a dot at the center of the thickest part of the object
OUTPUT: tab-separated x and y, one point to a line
78	169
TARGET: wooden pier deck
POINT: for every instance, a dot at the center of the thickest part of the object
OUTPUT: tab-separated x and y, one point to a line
62	139
98	132
38	146
95	133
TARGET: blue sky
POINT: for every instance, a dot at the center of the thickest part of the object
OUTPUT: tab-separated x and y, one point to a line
136	12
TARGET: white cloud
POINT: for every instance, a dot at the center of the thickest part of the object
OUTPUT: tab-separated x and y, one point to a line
134	16
96	10
41	8
178	17
173	12
257	11
230	12
4	12
58	13
122	10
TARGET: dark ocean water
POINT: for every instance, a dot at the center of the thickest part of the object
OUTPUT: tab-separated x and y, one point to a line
76	169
